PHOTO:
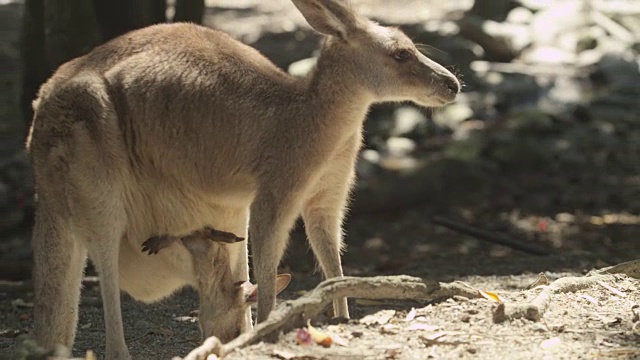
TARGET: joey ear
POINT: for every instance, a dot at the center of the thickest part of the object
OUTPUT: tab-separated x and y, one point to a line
328	17
251	291
282	281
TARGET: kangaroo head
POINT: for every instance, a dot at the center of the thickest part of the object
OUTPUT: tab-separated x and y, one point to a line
383	61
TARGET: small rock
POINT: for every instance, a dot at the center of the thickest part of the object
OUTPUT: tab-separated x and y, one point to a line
407	119
538	327
565	218
370	155
302	68
400	146
390	329
520	15
553	21
548	55
452	115
381	317
618	68
375	244
367	165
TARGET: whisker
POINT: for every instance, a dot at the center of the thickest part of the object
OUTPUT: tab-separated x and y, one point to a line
428	50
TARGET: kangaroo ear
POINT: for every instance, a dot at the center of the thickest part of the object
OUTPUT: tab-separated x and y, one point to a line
329	17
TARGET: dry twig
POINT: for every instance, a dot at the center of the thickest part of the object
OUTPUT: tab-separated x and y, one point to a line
491	237
535	309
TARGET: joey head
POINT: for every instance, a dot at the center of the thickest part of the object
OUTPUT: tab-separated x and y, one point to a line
222	302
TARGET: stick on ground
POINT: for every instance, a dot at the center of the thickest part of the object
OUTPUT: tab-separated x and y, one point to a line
535	309
485	235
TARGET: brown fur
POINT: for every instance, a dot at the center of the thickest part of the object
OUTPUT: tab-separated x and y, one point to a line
174	127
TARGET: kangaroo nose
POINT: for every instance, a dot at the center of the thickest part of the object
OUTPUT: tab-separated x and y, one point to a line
452	84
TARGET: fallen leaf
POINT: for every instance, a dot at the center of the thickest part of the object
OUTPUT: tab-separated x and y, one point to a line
424	327
389	329
303	337
335	328
283	354
590	299
435	338
318	336
610	320
612	289
411	315
339	340
24	317
543	225
491	296
541	280
550	343
381	317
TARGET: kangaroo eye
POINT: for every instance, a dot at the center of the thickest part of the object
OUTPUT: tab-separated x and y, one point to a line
402	55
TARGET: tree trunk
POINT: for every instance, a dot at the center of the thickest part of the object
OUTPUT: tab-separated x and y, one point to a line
34	70
189	11
116	17
71	30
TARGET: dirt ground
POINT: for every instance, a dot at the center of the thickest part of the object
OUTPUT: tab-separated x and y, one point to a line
586	216
594	323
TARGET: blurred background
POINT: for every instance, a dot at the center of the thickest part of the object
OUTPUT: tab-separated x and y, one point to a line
542	147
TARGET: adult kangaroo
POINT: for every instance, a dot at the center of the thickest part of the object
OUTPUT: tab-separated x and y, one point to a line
173	128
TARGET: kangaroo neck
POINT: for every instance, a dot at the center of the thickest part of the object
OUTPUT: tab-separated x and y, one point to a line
337	103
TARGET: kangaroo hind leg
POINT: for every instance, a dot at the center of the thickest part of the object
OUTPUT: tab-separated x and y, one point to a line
59	261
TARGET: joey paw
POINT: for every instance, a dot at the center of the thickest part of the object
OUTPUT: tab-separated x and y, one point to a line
220	236
154	244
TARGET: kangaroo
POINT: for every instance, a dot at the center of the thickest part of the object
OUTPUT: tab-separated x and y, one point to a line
175	127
